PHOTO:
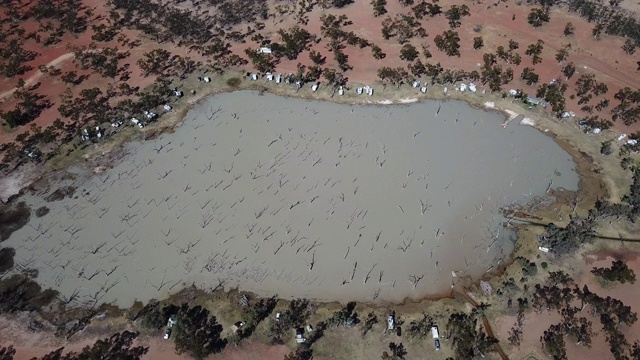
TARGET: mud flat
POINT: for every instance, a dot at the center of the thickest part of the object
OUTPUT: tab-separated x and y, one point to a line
296	198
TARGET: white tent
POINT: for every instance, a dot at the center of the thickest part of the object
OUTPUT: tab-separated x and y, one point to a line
369	90
137	122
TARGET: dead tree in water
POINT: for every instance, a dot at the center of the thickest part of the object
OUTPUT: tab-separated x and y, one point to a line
405	246
415	279
353	273
424	206
366	278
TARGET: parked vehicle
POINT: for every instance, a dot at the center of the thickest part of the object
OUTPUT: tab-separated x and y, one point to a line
434	332
167	334
391	322
437	345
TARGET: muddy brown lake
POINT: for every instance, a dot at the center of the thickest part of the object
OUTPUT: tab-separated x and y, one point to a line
297	198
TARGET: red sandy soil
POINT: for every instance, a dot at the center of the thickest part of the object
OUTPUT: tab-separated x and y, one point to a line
536	323
61	56
29	345
605	58
617	69
163	350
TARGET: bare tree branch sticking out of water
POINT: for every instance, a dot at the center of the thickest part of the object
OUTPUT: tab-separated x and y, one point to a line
415	279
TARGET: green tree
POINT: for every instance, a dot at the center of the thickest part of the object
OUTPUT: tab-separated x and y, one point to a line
455	15
408	52
419	329
256	314
553	342
585	84
379	7
317	58
535	50
506	76
605	148
118	347
155	62
341	3
635	351
569	29
154	317
619	271
468	338
629	107
184	66
29	105
537	17
564	240
426	52
13	58
69	77
629	46
261	62
6	259
342	59
294	41
577	327
478	43
417	69
395	76
197	333
7	353
562	54
371	320
295	316
569	70
347	316
434	9
103	32
529	76
301	353
449	42
398	352
377	52
501	53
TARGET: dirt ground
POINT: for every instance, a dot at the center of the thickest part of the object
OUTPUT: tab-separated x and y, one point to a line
616	69
500	22
29	344
536	323
158	349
